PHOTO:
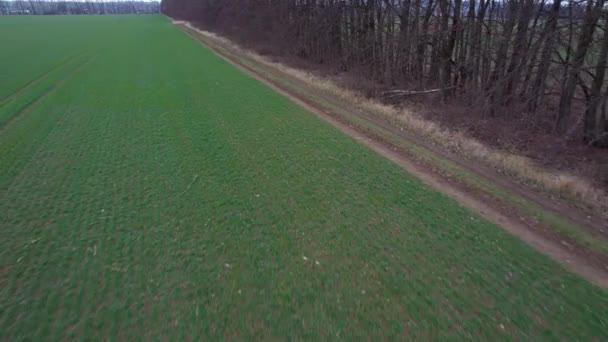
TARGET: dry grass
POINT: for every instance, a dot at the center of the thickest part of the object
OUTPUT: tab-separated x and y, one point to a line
562	184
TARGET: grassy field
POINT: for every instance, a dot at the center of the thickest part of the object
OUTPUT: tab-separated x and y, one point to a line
151	191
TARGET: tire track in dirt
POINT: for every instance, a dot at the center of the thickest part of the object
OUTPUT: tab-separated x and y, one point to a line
575	262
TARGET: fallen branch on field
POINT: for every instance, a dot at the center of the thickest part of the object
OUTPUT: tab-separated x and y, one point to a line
395	93
190	185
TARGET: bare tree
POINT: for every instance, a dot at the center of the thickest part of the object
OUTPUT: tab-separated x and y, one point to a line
507	54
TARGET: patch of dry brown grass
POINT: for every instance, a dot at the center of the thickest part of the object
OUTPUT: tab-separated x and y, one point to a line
564	185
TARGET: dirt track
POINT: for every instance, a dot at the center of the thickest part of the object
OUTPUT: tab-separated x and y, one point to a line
571	257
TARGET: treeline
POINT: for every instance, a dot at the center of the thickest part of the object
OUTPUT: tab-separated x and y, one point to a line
532	56
34	7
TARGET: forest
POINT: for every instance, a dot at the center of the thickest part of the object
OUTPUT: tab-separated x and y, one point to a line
46	7
542	59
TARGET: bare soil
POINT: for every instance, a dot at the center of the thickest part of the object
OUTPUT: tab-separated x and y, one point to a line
568	253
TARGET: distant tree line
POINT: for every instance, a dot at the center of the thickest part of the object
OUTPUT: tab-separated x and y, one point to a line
498	56
46	7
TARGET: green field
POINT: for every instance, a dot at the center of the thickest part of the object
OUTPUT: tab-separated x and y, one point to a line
151	191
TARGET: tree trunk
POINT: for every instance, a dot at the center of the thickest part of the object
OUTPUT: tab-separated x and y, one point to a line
592	14
549	34
595	126
496	79
519	52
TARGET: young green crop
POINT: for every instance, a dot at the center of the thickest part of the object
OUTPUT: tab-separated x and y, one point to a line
156	192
